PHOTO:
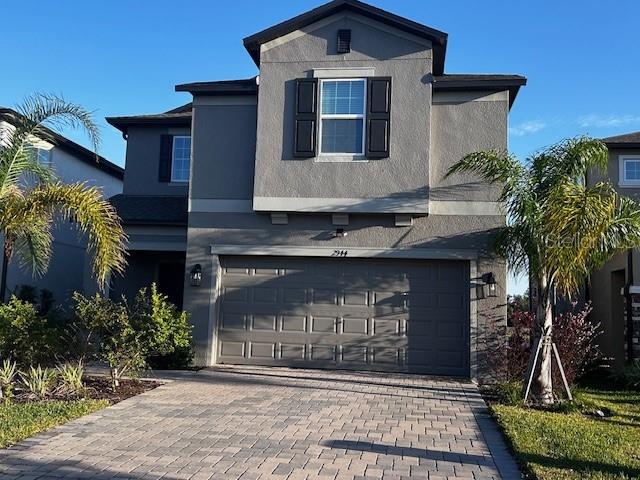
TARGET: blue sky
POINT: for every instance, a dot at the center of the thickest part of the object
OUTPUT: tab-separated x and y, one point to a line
124	57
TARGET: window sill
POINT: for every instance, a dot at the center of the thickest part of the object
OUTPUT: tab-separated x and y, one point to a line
341	159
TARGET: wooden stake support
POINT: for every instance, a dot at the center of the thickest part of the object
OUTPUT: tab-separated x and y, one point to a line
532	370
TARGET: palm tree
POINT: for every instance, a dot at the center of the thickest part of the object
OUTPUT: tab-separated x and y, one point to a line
32	199
558	228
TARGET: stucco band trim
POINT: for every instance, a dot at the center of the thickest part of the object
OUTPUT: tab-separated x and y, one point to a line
344	252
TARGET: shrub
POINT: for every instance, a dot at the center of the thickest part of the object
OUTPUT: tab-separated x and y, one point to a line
26	336
629	376
115	339
509	393
8	374
127	336
166	332
70	376
39	381
574	335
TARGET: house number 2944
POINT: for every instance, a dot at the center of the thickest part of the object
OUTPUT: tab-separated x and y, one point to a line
339	253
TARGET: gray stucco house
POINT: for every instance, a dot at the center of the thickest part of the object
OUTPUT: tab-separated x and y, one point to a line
614	290
70	267
312	225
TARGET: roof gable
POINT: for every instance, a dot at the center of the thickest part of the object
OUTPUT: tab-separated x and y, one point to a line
438	38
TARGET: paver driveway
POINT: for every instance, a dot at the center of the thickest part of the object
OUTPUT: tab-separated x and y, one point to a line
254	423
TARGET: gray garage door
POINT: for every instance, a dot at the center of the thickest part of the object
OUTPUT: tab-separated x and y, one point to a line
369	314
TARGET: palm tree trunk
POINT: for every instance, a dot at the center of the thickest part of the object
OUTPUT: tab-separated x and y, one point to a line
544	325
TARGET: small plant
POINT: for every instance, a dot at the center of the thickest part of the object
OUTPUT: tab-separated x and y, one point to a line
70	378
39	381
509	393
8	374
629	376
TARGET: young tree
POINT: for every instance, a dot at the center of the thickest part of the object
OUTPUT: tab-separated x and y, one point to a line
558	228
31	197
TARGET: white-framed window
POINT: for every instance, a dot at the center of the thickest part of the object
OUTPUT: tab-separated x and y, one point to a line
629	170
342	117
181	159
44	157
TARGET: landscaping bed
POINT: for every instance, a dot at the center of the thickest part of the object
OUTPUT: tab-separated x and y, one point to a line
576	442
25	416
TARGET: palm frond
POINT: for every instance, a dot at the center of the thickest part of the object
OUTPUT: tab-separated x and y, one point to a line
588	225
94	216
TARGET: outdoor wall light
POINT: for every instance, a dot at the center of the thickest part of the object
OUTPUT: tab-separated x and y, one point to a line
489	280
195	275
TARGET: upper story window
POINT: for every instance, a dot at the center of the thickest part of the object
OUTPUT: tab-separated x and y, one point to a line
342	108
41	155
44	157
630	170
181	159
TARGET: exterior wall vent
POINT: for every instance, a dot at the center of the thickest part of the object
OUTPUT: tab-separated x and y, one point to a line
344	41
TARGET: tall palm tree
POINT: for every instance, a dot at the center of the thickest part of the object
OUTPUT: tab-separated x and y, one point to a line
32	199
558	228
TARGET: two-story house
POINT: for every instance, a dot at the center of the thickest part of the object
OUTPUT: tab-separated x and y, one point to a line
318	225
70	267
614	290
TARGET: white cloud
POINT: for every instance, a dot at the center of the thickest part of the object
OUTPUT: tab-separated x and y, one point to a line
527	128
604	121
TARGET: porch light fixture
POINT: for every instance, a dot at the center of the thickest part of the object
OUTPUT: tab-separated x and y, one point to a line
195	275
490	281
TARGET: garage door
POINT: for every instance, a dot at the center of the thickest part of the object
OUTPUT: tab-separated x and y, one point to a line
369	314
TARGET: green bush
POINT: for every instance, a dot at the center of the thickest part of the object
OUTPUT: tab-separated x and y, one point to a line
8	374
113	337
70	376
509	393
25	336
629	376
151	330
165	329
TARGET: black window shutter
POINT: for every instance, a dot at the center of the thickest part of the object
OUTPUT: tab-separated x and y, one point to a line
378	117
166	154
306	118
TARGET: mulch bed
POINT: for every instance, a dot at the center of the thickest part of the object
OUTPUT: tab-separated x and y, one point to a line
98	388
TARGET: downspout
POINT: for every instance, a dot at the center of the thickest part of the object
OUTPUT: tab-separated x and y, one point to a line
627	294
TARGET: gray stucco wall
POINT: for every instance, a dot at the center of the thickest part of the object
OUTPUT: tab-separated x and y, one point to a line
224	144
408	62
143	153
463	124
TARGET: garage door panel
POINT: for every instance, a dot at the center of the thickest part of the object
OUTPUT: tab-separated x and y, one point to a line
262	350
377	314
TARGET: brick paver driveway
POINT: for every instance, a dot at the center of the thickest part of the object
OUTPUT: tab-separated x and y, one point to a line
252	423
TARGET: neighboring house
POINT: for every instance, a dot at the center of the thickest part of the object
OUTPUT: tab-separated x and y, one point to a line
615	289
70	267
321	230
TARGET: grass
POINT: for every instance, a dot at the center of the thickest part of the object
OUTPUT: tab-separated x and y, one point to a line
22	420
576	445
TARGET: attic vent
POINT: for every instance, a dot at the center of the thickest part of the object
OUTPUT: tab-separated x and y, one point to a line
344	41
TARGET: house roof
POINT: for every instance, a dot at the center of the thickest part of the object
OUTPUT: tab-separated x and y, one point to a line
245	86
180	116
438	38
78	151
473	81
626	140
151	210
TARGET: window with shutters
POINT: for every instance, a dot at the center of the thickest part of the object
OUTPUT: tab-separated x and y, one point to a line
180	159
342	117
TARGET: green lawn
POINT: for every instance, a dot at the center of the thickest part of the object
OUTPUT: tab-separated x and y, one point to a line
563	446
23	420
